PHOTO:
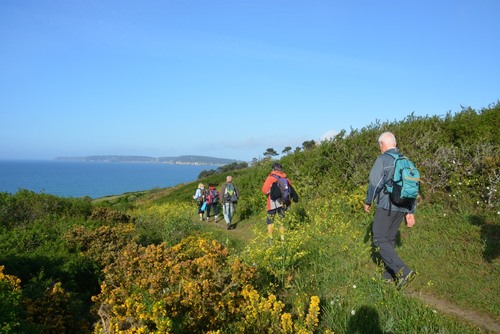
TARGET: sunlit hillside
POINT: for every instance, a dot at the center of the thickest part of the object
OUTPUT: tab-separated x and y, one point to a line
144	263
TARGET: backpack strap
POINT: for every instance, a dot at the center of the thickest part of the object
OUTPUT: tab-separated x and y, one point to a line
395	155
278	178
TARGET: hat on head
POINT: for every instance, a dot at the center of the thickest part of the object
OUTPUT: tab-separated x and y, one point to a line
277	166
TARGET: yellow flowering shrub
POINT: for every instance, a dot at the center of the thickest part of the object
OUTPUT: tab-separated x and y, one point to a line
51	313
10	295
266	315
194	286
103	243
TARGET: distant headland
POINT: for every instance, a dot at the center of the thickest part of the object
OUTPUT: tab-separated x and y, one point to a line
180	160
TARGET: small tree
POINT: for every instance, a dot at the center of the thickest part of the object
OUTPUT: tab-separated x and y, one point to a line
270	152
286	150
308	144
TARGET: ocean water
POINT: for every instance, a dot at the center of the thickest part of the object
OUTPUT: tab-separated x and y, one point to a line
77	179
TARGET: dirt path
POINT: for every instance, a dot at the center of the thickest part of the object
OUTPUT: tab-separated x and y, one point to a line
476	318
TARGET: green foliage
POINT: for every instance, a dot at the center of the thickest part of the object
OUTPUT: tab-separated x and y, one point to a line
223	169
169	223
26	206
153	268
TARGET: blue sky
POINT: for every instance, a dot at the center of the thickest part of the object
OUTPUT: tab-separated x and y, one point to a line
230	79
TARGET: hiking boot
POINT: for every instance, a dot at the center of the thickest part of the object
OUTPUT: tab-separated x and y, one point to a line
228	226
208	219
387	278
406	280
388	281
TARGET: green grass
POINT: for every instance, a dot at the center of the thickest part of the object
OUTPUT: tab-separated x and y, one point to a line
447	252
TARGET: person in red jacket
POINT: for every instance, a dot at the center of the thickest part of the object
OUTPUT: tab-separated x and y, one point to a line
275	206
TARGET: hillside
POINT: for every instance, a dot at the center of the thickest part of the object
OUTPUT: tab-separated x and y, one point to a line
143	262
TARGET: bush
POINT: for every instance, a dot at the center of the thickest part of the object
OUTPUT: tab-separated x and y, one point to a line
10	296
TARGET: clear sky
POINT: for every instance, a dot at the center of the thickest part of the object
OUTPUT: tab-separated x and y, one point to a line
232	78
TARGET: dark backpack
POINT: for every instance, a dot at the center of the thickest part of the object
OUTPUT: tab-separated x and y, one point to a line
404	186
280	190
230	194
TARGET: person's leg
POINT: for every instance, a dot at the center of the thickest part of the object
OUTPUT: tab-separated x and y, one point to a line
385	228
281	215
226	213
270	222
216	211
231	212
208	211
200	213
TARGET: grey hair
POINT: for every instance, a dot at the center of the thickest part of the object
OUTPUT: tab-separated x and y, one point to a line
387	138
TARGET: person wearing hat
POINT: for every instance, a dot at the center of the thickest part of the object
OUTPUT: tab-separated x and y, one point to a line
275	206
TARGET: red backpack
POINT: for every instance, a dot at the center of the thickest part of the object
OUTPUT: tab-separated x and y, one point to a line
213	195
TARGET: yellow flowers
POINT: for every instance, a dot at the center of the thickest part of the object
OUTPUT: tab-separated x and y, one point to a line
192	287
12	282
312	316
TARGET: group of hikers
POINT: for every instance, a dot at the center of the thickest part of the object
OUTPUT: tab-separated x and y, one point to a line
389	185
208	199
277	187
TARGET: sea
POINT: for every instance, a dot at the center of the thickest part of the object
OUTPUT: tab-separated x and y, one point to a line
93	179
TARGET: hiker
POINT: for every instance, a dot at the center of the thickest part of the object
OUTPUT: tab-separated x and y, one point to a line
212	200
230	196
388	216
200	196
275	204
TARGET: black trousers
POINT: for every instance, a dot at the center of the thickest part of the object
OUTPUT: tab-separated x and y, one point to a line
385	230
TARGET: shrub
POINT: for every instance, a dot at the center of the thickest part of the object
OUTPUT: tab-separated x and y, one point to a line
194	286
10	296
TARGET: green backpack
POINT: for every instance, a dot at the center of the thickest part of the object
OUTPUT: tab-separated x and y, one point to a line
404	186
230	194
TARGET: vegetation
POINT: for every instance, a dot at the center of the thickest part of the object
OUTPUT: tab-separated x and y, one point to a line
223	169
143	263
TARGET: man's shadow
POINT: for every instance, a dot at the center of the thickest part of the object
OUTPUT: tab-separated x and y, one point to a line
365	320
490	234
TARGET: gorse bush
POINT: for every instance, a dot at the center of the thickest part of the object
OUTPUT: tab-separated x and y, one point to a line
194	287
10	297
142	263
